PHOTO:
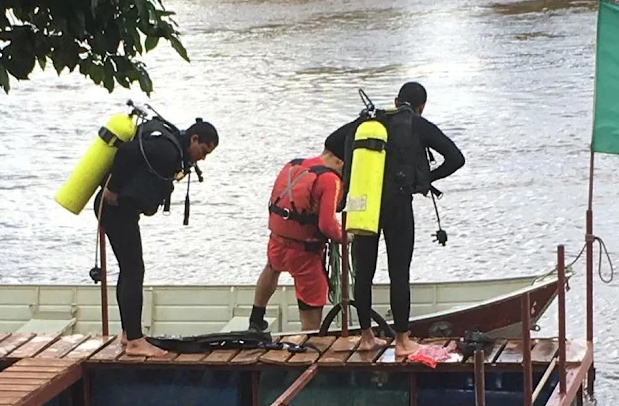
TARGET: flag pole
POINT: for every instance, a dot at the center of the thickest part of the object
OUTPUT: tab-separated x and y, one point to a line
589	271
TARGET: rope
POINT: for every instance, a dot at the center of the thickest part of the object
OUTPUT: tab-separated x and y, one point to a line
335	272
99	220
602	249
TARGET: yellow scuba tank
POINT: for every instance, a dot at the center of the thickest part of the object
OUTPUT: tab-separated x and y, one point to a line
96	163
366	178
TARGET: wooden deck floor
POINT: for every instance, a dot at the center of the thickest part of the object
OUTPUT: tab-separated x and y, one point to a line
336	352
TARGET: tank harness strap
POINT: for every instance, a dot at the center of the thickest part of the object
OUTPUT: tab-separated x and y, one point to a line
109	137
370	143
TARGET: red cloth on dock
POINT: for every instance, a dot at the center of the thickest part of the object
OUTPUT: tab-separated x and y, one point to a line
432	354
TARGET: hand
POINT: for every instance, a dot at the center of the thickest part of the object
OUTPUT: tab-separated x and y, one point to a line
110	198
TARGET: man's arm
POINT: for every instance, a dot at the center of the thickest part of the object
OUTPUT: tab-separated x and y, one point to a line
433	138
327	191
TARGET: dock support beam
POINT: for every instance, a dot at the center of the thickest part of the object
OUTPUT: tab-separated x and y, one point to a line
344	278
480	380
296	387
525	307
561	286
104	315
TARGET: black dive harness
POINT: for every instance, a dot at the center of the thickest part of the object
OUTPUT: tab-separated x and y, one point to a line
170	132
371	112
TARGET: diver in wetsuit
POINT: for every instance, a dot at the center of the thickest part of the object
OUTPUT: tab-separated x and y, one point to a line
139	186
396	218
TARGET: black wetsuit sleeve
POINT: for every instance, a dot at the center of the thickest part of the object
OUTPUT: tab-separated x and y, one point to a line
435	139
161	154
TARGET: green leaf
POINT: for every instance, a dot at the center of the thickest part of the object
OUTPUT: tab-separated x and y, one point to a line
4	79
145	83
77	24
136	38
4	22
179	48
108	78
18	61
151	43
42	62
97	72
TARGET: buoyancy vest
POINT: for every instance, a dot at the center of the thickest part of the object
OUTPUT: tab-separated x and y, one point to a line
293	213
147	189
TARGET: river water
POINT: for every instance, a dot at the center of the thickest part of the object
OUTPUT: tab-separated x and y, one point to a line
510	83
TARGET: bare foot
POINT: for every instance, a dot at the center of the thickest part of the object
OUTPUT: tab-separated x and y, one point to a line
404	345
123	339
374	343
142	348
369	341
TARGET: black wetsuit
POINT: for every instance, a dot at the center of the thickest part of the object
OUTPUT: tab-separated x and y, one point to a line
398	226
132	179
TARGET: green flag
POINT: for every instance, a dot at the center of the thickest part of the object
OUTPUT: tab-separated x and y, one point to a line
606	111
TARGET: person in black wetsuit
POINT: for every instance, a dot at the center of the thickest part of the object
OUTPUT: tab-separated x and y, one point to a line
133	189
397	224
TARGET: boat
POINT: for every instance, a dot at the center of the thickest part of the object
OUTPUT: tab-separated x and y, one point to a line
490	305
303	368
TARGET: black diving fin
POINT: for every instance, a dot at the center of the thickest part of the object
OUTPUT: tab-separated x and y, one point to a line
248	339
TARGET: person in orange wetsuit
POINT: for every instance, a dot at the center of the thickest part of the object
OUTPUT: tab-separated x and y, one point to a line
302	219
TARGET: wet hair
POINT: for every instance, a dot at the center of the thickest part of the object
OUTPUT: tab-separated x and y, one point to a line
206	132
413	93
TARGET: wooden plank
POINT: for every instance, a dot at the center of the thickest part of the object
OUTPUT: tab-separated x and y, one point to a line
388	356
220	356
12	398
367	357
27	375
512	353
575	351
3	336
340	351
246	357
190	358
63	363
25	387
170	356
61	347
35	345
110	353
544	351
311	355
13	342
36	369
490	352
21	381
574	377
131	358
281	356
89	347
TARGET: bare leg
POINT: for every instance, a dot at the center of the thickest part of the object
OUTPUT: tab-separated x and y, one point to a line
369	341
266	286
141	347
404	345
123	338
310	319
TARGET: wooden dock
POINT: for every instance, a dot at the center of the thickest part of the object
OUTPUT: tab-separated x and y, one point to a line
43	366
